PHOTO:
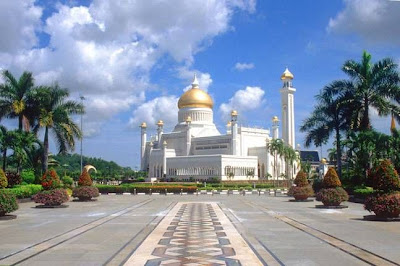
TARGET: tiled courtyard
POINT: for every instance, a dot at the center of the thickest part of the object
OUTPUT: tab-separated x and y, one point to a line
196	230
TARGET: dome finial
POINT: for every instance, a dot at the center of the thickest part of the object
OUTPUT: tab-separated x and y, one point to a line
287	75
195	83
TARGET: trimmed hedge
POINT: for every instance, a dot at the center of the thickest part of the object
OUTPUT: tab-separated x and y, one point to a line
332	196
50	180
52	197
3	179
85	192
384	205
363	193
25	191
145	189
331	179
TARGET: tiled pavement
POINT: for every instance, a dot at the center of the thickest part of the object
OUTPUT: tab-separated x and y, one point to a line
196	230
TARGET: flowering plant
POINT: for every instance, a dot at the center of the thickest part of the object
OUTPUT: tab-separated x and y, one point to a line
53	197
301	193
332	196
384	205
301	179
84	179
85	192
50	180
8	202
384	177
331	179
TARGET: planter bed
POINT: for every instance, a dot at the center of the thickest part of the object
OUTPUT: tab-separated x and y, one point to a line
7	217
380	219
331	207
51	206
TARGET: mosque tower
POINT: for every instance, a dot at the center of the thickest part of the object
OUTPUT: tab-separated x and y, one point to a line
287	105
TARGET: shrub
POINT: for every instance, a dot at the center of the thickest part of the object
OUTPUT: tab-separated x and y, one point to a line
28	176
3	179
25	191
84	179
53	197
363	193
301	179
384	177
85	192
301	193
50	180
67	181
140	179
384	205
13	179
8	202
332	196
317	185
331	179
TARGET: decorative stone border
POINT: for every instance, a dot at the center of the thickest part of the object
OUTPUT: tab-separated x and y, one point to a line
51	207
380	219
8	217
306	200
331	207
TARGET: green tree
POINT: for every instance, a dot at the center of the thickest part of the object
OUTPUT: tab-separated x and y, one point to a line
372	86
55	115
329	117
290	156
276	148
14	97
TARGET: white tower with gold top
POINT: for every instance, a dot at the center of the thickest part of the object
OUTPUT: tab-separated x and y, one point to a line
287	100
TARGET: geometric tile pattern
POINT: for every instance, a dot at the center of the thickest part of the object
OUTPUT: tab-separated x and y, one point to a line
194	235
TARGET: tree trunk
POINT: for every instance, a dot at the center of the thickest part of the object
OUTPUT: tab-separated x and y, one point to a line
4	159
45	150
338	153
20	122
365	123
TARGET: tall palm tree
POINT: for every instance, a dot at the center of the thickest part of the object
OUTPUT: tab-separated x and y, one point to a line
290	156
276	148
55	115
6	140
372	86
14	95
329	117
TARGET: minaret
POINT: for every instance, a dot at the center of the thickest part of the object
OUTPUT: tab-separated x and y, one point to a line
287	100
164	168
188	135
160	125
143	127
234	131
228	128
275	127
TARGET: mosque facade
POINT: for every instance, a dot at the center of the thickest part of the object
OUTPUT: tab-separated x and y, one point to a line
196	151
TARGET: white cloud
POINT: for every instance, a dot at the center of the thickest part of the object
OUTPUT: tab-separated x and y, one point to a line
106	51
248	99
161	108
18	21
374	20
243	66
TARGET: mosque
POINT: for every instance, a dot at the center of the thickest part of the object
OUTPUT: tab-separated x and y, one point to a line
196	151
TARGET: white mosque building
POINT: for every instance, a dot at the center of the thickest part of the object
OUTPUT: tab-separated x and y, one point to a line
196	151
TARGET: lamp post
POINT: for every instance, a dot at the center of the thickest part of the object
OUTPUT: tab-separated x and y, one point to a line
82	98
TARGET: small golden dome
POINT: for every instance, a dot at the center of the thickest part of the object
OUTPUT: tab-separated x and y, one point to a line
234	113
195	97
275	119
143	125
323	161
160	123
287	75
229	124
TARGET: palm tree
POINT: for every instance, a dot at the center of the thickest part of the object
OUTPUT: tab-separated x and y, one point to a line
290	156
55	115
329	117
22	143
276	148
372	86
6	140
14	97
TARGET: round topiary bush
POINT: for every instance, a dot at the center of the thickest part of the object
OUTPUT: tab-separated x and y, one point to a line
331	179
384	177
3	179
84	179
85	193
384	205
8	202
50	180
54	197
303	189
332	196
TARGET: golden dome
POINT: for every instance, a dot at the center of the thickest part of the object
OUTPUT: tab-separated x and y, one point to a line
234	113
323	161
160	123
143	125
275	119
195	97
287	75
229	124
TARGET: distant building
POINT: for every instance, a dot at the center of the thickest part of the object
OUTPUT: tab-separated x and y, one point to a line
196	150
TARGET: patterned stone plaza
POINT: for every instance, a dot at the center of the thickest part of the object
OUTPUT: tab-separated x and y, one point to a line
196	230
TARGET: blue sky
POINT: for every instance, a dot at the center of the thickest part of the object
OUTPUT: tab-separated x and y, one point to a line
133	59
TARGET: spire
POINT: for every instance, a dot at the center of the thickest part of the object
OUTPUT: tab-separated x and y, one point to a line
393	124
195	83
